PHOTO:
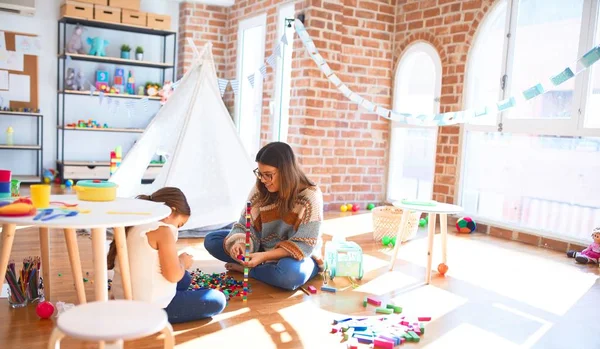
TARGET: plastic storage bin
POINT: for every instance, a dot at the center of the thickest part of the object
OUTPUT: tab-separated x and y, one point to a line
344	258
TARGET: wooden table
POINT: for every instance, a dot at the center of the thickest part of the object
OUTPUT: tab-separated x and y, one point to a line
97	219
441	209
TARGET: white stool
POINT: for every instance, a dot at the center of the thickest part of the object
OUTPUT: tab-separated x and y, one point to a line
112	322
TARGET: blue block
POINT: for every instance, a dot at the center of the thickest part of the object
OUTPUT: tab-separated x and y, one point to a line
533	91
335	322
364	339
359	327
366	333
562	77
328	289
505	104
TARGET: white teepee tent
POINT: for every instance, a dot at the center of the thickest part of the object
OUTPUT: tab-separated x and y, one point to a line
205	156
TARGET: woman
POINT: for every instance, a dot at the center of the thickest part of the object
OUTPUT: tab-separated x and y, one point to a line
158	274
287	211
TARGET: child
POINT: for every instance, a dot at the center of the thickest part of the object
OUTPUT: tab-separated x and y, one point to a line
590	254
158	275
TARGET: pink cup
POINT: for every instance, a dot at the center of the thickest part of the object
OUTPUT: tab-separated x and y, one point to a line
5	175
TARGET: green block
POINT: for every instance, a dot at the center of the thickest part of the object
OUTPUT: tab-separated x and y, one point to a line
384	311
415	337
365	302
422	327
395	308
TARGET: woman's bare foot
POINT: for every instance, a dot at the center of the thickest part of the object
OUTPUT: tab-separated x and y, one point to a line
234	267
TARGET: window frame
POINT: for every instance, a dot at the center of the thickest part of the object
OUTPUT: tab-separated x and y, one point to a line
280	125
415	47
573	126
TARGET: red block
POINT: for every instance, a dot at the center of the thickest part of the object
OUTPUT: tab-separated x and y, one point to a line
312	289
424	318
382	343
373	301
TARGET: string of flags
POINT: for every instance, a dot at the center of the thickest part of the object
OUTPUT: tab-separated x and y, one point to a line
451	118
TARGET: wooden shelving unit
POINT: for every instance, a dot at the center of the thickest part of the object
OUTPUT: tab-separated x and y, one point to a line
100	169
21	147
18	113
38	148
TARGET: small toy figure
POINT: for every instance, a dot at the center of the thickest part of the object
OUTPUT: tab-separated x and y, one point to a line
79	81
165	92
102	81
130	87
591	254
75	44
98	46
50	175
70	83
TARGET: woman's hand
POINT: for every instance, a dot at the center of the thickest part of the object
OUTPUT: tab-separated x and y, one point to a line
236	250
255	259
186	260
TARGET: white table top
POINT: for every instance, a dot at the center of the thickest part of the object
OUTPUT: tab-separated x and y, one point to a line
98	216
438	208
113	320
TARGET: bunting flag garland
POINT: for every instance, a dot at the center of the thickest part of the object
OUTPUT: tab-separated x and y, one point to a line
284	39
271	61
235	86
251	79
277	49
223	85
101	97
145	103
263	71
451	118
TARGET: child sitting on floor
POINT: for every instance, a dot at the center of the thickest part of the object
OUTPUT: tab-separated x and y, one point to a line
158	274
590	254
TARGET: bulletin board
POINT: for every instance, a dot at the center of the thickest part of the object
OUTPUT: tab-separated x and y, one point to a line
28	74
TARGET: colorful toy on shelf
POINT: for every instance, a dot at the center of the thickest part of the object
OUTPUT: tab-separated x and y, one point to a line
130	88
115	159
75	44
152	89
591	254
343	258
98	46
70	82
102	80
10	136
465	225
50	175
119	80
165	92
87	124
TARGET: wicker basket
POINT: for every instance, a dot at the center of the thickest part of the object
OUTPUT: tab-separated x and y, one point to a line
387	220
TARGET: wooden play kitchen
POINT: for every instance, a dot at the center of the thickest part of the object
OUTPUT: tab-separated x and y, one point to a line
115	11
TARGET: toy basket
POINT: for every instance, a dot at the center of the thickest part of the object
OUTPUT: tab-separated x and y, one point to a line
387	220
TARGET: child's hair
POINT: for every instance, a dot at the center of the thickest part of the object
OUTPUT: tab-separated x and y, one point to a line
170	196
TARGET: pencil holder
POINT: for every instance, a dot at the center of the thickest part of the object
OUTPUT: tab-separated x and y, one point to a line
16	300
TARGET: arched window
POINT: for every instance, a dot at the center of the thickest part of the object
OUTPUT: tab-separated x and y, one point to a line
412	150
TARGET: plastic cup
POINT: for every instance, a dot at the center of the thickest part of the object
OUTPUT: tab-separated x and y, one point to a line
15	185
40	195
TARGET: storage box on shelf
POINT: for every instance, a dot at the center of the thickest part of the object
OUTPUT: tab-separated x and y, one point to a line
77	10
133	17
125	4
78	170
107	14
156	21
96	2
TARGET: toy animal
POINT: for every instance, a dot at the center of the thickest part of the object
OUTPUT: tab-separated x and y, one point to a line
70	83
79	81
591	254
165	92
75	44
98	46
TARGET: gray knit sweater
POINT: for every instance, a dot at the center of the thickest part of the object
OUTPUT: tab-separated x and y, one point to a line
299	232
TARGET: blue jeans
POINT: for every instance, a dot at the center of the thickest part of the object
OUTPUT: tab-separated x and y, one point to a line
194	305
288	273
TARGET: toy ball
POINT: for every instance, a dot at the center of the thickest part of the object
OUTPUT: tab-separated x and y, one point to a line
422	222
465	225
442	268
355	208
343	208
349	206
370	207
44	310
69	183
386	241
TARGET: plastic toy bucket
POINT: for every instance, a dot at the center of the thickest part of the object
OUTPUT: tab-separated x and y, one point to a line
95	190
5	176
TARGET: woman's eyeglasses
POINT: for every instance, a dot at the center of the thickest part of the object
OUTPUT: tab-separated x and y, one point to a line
268	176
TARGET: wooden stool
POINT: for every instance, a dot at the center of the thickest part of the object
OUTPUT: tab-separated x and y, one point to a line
112	322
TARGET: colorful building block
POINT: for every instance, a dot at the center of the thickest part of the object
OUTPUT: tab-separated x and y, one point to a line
365	302
364	339
384	311
395	308
340	320
424	318
382	343
312	289
328	289
373	301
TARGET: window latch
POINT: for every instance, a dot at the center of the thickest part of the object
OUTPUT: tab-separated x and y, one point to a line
503	81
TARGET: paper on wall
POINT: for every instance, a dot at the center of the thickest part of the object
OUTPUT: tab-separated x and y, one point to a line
29	45
4	99
2	42
3	80
11	60
19	88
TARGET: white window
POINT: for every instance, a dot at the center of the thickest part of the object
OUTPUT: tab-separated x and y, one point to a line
281	102
538	174
248	103
412	149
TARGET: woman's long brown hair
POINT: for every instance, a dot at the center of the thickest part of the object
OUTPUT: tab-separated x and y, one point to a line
170	196
292	179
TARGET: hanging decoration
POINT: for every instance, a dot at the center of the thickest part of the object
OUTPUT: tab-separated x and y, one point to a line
451	118
223	85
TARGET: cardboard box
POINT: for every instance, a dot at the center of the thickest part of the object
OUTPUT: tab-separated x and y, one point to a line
77	10
107	14
96	2
156	21
133	17
128	4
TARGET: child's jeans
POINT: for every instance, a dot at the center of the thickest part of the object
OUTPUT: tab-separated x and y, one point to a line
288	273
194	305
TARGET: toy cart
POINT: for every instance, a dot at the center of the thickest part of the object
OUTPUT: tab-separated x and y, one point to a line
343	258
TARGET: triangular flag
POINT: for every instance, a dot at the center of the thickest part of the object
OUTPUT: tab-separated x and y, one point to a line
263	71
101	97
284	39
223	86
271	61
235	86
109	100
92	90
251	79
145	103
277	50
